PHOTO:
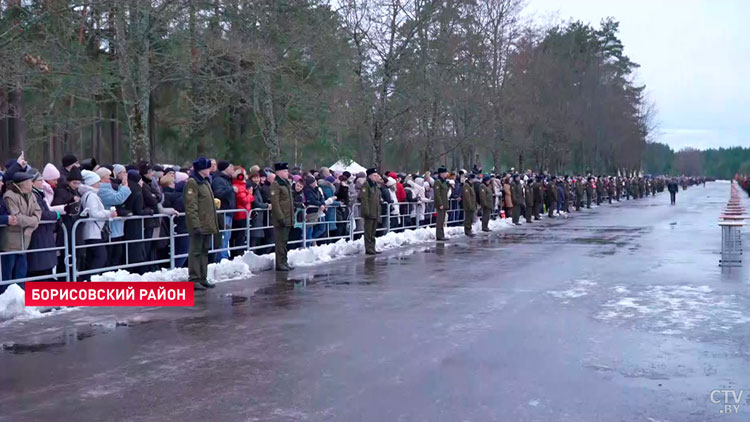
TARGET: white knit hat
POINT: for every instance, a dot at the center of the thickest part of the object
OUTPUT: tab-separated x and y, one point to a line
90	178
50	172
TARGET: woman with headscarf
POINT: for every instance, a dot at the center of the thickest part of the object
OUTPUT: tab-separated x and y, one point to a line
243	200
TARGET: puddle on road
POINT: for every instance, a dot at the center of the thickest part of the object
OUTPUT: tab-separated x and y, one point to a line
70	337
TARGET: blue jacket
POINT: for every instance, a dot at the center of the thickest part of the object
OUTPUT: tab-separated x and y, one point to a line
114	198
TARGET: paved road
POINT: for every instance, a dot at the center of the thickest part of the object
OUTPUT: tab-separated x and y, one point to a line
617	314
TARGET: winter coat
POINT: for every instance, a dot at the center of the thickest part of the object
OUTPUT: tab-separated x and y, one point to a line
369	198
133	228
528	194
441	194
538	194
114	198
26	208
222	189
486	197
342	195
332	204
43	237
469	199
92	208
313	201
150	203
400	192
282	203
517	194
507	196
244	199
258	216
200	210
174	198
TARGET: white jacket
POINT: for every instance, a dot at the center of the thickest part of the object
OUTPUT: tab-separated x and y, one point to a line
92	207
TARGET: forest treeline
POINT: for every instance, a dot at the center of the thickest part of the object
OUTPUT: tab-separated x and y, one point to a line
721	163
403	84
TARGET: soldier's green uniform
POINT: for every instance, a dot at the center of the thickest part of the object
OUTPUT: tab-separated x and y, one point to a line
611	190
369	198
641	187
618	188
200	217
469	201
528	194
626	186
589	192
516	196
486	200
538	198
599	191
282	212
551	192
566	194
441	206
579	193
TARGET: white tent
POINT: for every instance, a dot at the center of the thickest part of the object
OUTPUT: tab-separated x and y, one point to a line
353	167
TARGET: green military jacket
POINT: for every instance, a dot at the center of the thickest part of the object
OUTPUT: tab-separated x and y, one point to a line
282	203
441	194
369	198
517	191
200	210
486	196
529	194
468	197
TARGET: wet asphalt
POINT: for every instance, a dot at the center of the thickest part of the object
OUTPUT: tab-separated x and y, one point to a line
619	313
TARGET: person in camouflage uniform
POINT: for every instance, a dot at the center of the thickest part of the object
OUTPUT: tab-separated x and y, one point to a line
440	189
486	200
469	202
369	198
282	214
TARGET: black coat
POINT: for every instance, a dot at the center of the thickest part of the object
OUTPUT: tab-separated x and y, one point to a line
150	203
133	228
222	187
42	238
258	217
173	198
313	198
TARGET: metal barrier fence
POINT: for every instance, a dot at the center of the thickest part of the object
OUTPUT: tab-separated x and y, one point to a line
56	273
315	224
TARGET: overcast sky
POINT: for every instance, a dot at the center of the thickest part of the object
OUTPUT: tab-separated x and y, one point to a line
694	57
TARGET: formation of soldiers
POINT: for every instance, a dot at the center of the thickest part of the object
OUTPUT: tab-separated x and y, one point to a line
511	195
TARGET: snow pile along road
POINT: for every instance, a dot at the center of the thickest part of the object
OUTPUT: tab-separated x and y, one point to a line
250	263
12	304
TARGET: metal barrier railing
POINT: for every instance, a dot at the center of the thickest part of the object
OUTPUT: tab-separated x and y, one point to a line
57	273
334	223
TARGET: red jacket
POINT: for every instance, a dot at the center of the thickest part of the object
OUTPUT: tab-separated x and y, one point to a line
244	198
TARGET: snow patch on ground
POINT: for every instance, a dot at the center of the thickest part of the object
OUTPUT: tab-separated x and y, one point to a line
579	288
12	304
675	309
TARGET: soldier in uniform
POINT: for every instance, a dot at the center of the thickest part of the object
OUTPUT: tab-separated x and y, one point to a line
200	216
441	202
578	182
566	194
611	189
528	194
589	191
469	201
517	197
626	186
369	198
618	188
599	190
641	187
538	197
282	211
551	197
486	200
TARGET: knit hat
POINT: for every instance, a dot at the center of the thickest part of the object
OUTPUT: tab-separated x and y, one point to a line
168	170
180	177
117	169
222	165
309	180
201	163
346	174
88	164
50	172
157	168
35	175
69	160
75	174
144	167
133	176
390	182
90	178
330	179
103	172
296	178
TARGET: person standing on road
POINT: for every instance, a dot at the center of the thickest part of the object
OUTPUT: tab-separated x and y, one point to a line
369	198
469	201
486	199
200	215
282	211
589	191
441	202
551	197
516	197
673	188
538	197
528	197
578	182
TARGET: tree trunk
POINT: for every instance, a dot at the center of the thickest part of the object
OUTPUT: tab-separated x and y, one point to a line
152	128
17	121
114	133
4	121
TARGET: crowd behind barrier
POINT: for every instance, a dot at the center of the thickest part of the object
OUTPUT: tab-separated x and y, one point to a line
85	219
